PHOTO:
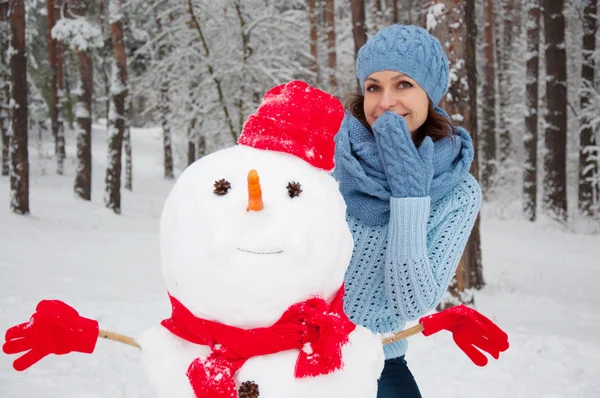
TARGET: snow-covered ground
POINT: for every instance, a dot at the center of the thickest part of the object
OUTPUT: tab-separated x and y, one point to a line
540	289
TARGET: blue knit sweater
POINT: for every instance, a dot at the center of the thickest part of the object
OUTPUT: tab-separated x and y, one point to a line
400	270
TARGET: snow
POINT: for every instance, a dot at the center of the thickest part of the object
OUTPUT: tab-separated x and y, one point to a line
433	13
115	11
541	288
81	111
457	117
78	33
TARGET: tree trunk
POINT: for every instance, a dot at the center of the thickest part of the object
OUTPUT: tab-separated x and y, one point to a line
19	157
4	88
4	120
377	15
472	258
359	29
60	133
245	38
163	110
117	115
83	116
128	160
504	52
192	137
167	145
103	53
588	166
530	140
313	39
331	45
201	147
191	152
453	27
555	192
488	125
52	55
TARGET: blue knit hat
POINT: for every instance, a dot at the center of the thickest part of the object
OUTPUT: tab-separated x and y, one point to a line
408	49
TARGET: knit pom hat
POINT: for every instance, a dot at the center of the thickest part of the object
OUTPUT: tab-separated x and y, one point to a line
408	49
297	119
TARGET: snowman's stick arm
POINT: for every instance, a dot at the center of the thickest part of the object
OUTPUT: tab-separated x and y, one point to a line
118	338
418	328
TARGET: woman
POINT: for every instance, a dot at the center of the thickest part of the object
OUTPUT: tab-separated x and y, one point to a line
403	170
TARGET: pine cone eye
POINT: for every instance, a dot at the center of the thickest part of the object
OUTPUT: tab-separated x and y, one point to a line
294	189
222	187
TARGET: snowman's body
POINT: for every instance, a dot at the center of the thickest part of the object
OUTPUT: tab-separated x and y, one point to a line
167	358
227	261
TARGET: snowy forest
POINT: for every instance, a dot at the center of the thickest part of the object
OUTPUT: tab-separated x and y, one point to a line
104	103
523	82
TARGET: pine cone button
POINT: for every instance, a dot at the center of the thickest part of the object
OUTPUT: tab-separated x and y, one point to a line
248	389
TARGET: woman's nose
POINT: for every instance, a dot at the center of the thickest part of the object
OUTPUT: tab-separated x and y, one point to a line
387	101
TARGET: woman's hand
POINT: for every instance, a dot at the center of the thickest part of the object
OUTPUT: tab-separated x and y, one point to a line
409	170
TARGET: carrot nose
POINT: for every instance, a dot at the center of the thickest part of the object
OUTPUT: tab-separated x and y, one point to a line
255	202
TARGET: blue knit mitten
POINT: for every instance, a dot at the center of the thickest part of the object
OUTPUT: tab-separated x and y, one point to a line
409	170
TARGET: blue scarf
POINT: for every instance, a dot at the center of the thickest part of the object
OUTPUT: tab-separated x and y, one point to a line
360	172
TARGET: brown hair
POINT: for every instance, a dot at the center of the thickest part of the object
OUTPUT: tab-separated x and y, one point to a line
436	126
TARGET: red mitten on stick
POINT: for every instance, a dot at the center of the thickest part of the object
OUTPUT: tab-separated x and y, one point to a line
55	328
471	331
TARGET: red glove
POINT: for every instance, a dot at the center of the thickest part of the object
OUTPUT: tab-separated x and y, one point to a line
55	328
470	331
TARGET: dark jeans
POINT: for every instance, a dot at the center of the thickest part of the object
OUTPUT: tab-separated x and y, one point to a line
396	380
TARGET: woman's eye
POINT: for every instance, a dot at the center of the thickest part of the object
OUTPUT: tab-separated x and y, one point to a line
405	85
372	89
222	187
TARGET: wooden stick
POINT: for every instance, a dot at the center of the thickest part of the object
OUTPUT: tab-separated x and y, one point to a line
118	338
418	328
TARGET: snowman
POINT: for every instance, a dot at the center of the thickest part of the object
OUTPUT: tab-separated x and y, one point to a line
254	246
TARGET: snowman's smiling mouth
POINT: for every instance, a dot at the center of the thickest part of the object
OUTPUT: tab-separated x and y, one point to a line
257	252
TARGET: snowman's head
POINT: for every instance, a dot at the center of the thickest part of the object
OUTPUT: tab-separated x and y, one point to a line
247	232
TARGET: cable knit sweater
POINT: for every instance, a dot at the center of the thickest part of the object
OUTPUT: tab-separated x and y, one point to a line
400	270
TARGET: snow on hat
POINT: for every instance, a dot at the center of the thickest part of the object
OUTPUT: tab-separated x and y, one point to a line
408	49
298	119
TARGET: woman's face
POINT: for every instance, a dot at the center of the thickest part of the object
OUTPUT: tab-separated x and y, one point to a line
394	91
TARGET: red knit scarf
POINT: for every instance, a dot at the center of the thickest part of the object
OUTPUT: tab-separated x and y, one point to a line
316	328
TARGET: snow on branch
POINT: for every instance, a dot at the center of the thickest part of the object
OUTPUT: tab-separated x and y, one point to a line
433	13
78	33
